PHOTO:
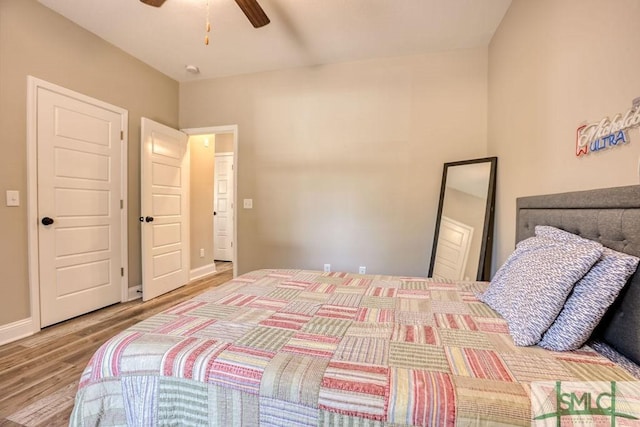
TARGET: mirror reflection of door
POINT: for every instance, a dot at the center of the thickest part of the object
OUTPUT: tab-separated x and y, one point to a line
454	244
465	221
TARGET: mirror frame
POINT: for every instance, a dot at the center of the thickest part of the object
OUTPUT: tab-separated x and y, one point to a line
486	245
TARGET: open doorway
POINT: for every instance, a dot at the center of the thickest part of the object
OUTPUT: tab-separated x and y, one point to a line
213	199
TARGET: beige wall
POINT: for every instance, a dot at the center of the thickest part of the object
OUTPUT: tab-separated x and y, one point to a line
552	65
224	143
36	41
343	162
201	220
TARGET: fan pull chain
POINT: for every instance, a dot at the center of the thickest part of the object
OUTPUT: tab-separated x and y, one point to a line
208	27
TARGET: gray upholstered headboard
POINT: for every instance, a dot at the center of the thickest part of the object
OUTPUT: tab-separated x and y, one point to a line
610	216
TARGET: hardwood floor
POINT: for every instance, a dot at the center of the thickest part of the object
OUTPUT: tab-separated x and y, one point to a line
39	374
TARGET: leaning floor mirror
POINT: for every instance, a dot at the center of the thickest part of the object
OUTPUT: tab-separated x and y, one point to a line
463	239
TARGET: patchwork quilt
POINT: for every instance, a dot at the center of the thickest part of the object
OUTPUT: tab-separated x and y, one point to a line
304	348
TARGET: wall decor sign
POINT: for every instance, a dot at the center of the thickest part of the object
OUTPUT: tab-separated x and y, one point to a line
607	133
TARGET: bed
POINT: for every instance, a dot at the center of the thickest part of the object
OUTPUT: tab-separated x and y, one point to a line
296	347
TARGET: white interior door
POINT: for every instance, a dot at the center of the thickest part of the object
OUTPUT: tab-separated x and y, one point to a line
79	161
454	241
223	208
165	209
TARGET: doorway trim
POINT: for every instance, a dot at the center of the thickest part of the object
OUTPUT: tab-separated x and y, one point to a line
33	84
234	130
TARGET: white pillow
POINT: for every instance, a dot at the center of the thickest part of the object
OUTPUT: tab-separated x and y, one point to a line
530	289
591	296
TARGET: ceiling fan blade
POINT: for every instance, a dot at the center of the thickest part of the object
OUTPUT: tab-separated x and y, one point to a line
254	12
155	3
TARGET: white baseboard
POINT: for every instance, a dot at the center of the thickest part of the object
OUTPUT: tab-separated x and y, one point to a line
16	330
200	272
135	292
196	273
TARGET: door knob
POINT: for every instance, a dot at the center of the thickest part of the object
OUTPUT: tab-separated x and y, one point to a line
148	219
47	221
214	214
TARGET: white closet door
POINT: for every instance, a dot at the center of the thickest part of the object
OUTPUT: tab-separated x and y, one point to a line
165	209
79	193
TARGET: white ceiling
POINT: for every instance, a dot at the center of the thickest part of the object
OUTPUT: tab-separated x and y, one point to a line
301	32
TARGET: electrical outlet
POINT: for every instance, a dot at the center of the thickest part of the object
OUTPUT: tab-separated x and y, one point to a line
327	268
201	252
362	270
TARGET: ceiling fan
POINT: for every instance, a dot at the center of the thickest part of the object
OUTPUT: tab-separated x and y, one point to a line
251	9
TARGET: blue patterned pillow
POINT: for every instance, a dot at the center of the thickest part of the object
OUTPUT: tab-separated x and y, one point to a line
591	296
530	289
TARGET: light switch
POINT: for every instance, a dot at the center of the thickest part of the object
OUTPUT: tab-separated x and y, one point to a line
248	203
13	198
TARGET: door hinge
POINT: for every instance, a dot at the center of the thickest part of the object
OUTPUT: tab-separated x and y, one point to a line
231	244
121	135
122	271
121	204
